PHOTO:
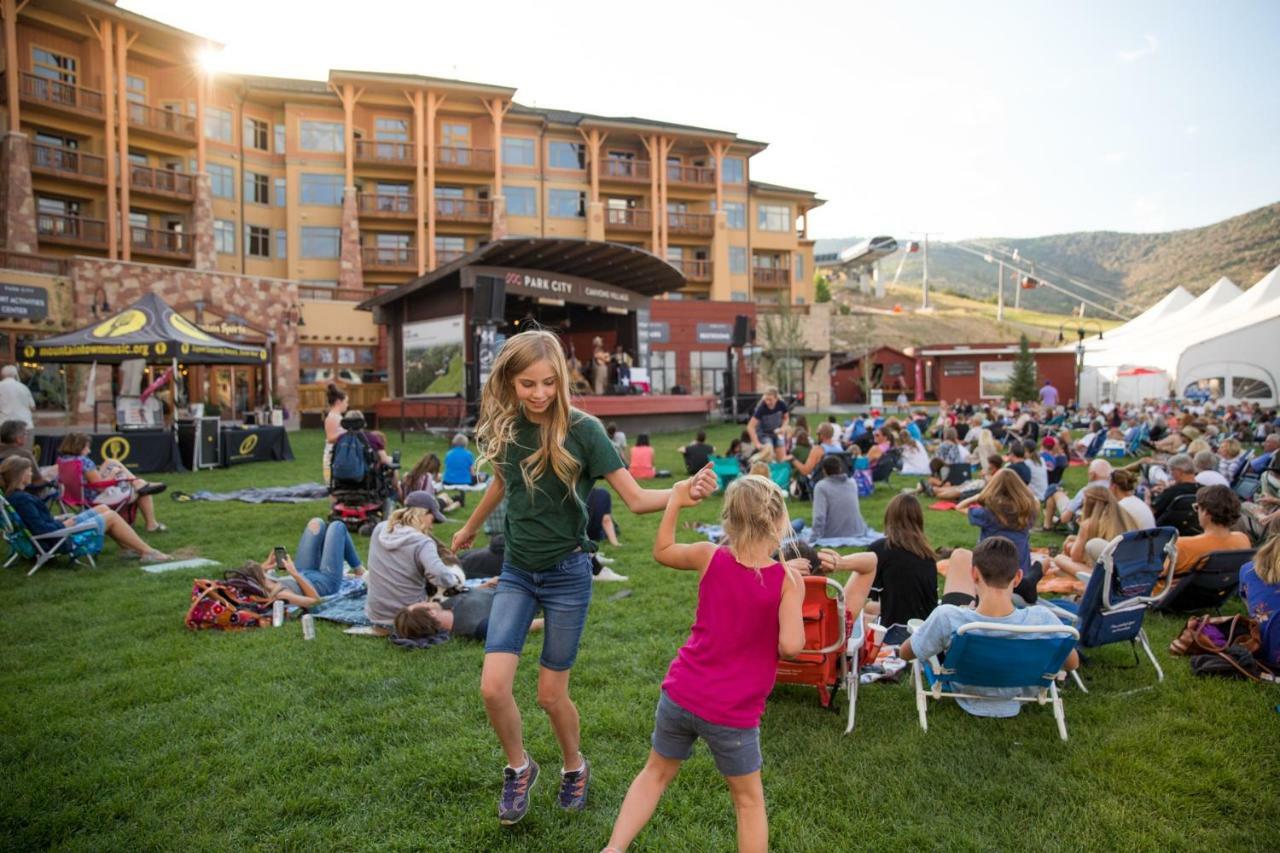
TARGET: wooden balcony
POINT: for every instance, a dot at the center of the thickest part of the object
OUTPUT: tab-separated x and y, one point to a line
390	258
770	277
464	159
618	169
477	210
59	95
380	153
630	219
387	205
162	182
160	242
71	230
694	270
697	224
696	175
32	263
166	123
336	294
67	163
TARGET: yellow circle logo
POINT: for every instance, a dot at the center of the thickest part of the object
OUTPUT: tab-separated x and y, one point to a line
125	323
262	355
116	447
249	443
29	352
161	348
188	328
185	348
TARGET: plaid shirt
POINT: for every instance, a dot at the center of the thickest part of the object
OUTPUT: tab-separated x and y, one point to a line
497	517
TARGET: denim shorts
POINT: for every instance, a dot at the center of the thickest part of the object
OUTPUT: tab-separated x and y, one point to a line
562	592
769	438
93	516
736	751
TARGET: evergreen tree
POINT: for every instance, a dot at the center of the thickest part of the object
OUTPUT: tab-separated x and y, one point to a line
822	290
1022	385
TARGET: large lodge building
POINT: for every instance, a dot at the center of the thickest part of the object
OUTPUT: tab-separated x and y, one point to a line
265	208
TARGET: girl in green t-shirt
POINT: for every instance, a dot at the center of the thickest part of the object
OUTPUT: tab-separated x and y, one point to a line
545	455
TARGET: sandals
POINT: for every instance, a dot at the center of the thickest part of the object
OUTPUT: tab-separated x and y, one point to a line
160	527
154	556
152	489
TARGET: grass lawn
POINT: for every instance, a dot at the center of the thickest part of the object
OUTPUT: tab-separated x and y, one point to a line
124	731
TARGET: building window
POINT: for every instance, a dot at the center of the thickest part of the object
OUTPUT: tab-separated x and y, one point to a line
217	124
662	370
53	66
521	201
282	192
517	151
773	217
799	266
280	139
706	371
256	134
222	179
391	129
224	236
323	136
282	243
257	241
449	249
566	155
567	204
137	89
738	260
735	214
257	188
734	170
321	242
323	190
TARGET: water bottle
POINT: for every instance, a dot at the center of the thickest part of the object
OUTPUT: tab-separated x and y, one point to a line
277	613
308	627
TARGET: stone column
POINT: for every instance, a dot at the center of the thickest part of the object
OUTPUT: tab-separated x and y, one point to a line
499	217
721	282
595	220
206	257
350	268
19	201
817	336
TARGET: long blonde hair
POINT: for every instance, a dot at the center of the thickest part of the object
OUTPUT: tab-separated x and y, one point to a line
754	514
1009	499
1266	563
1109	518
500	408
420	520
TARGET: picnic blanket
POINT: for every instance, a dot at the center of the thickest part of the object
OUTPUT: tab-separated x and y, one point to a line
268	494
943	506
346	606
420	642
465	487
194	563
715	533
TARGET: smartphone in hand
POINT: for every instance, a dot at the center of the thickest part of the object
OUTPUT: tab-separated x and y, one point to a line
281	556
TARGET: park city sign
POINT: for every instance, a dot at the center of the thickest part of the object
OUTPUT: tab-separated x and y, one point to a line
542	285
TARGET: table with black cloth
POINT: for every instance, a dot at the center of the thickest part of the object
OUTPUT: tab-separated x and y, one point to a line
143	451
254	444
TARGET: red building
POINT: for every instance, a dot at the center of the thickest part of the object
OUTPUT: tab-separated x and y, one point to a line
891	370
689	343
978	372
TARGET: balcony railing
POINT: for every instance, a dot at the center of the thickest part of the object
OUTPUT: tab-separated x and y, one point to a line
387	204
628	219
32	263
169	122
694	270
59	94
338	294
385	153
704	175
159	241
619	169
390	257
161	181
464	209
75	230
67	162
770	277
691	223
453	157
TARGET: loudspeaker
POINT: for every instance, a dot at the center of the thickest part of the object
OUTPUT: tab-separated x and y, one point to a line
491	299
740	330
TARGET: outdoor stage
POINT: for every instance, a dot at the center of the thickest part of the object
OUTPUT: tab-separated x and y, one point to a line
633	414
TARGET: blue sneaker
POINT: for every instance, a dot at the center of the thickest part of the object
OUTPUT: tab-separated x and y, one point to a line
573	787
515	792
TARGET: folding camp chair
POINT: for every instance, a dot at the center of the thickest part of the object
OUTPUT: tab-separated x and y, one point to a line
76	490
726	468
992	654
829	656
1133	445
1213	579
1118	592
1181	514
885	465
81	540
780	473
1095	446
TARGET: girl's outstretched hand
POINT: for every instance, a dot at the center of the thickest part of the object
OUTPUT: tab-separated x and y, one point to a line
462	539
681	493
703	483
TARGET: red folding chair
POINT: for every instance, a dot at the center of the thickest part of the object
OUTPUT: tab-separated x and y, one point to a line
78	493
822	663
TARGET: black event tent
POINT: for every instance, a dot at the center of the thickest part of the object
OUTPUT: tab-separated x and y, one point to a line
149	329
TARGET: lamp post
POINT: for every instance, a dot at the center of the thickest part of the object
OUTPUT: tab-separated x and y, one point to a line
1080	333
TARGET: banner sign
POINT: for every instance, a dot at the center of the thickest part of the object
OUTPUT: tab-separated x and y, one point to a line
715	333
22	302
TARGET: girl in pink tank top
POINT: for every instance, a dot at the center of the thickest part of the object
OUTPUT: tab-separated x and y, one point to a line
748	615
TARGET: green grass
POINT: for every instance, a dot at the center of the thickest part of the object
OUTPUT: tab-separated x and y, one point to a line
124	731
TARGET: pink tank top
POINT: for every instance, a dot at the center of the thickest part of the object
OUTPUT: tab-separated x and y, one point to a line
725	670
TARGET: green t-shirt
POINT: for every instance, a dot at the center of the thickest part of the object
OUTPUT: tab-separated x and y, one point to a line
545	525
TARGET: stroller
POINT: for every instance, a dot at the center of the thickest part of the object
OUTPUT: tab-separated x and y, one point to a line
361	487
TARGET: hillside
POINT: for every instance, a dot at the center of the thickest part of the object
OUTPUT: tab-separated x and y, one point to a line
1139	268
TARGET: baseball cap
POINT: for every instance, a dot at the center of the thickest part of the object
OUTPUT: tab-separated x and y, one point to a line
425	500
1050	442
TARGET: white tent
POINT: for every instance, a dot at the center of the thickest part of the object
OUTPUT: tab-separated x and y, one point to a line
1159	346
1233	354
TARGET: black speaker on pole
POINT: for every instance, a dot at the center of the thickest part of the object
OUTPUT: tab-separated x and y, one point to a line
740	330
491	299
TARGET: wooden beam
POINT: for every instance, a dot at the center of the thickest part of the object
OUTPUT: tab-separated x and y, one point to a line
122	106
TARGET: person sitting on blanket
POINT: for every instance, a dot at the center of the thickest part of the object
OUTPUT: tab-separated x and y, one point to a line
16	472
836	512
425	477
979	588
133	490
1101	520
459	463
1057	506
407	563
315	569
1005	507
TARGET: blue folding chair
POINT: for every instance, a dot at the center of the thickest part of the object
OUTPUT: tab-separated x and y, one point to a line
1133	446
780	473
993	654
1118	593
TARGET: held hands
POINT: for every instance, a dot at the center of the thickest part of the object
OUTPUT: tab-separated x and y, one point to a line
682	493
830	560
799	564
692	491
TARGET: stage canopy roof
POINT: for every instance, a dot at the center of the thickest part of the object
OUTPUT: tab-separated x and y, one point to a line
149	329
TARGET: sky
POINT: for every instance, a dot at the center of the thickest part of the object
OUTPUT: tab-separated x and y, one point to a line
964	119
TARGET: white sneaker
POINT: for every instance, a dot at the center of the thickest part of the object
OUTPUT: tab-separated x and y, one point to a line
607	574
603	560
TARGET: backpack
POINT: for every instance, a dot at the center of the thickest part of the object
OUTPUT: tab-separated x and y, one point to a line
349	458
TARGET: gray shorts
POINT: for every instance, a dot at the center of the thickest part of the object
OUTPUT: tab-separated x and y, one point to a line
736	751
